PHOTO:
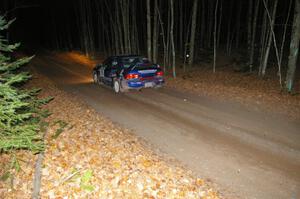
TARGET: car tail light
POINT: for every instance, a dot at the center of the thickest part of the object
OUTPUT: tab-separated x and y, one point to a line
159	73
132	76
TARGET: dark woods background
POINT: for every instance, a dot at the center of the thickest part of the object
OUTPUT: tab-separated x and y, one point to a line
255	33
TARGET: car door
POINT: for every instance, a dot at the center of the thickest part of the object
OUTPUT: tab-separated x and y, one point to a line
110	70
104	71
101	72
114	68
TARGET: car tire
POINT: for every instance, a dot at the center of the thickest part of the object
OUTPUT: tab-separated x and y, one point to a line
100	81
117	86
157	87
95	78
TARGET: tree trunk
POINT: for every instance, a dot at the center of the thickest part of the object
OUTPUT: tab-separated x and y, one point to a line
220	22
249	32
272	22
124	20
202	29
91	29
149	51
193	32
172	39
229	29
155	30
210	22
238	24
263	39
134	32
120	44
266	56
163	38
294	48
181	27
186	46
215	36
168	37
253	35
285	29
128	28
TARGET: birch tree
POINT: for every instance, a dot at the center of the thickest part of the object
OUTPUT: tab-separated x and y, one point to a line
269	42
263	39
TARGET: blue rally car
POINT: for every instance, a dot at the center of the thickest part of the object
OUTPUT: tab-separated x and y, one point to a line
123	73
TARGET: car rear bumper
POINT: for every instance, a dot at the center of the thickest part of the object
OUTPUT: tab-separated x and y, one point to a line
137	84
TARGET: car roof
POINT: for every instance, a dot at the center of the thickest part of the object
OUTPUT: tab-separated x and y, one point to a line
126	56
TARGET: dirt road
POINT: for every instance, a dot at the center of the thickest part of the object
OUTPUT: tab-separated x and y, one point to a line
248	154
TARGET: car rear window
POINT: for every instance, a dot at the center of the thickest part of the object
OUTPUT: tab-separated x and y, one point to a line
143	66
127	62
131	61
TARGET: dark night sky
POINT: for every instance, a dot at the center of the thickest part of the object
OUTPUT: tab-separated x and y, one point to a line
35	18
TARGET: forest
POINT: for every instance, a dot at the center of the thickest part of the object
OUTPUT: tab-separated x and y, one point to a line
225	122
260	35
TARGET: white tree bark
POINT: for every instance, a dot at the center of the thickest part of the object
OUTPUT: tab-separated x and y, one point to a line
271	21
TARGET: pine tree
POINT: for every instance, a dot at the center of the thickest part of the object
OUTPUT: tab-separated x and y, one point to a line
20	109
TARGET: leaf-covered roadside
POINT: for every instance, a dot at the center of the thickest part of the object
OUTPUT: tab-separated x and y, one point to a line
94	158
227	85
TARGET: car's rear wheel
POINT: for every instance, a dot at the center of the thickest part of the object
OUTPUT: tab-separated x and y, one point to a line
95	78
157	86
117	86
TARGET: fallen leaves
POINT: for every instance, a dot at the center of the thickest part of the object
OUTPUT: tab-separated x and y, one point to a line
250	90
97	159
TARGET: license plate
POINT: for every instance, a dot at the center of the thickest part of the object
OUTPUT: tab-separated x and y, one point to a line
148	84
147	71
